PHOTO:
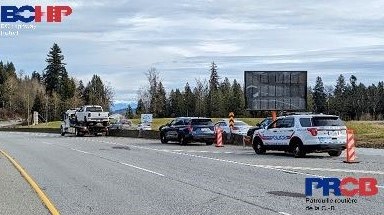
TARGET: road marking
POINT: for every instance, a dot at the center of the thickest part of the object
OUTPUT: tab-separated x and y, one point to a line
115	161
130	165
44	198
280	168
284	213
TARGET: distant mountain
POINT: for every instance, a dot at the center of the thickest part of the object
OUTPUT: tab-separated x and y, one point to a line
121	106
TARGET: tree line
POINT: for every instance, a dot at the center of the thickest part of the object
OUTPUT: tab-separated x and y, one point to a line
214	98
50	93
348	99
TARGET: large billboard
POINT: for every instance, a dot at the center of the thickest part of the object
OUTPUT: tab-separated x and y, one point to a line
276	90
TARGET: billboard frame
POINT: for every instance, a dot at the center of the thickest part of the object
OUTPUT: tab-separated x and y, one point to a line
248	108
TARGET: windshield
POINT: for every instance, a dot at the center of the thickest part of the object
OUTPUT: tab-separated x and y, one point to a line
240	123
94	109
201	122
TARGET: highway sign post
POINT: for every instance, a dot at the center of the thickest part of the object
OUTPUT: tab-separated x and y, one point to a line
231	116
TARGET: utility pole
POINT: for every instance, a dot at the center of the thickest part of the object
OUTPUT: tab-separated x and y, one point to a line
28	110
46	110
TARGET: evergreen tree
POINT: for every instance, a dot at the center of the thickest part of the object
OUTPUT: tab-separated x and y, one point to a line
55	73
214	77
38	104
96	93
171	104
310	105
190	101
380	91
80	91
140	109
319	96
238	100
213	100
160	101
179	104
225	88
36	76
129	112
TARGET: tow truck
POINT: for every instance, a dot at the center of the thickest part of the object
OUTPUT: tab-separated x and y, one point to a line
89	119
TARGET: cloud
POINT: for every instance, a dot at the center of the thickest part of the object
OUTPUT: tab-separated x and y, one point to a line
120	40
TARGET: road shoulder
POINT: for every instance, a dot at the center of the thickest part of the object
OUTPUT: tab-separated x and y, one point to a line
16	195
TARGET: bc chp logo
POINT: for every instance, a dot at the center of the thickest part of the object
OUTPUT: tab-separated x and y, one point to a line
14	19
13	14
348	186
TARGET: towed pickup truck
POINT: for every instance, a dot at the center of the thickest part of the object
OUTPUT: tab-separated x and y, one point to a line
92	114
89	119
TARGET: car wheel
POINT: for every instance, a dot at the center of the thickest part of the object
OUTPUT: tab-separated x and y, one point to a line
335	153
62	131
298	151
258	146
77	133
163	139
182	140
209	143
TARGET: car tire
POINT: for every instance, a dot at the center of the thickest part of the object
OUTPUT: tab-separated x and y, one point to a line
62	131
297	150
209	143
334	153
182	140
259	147
163	139
77	133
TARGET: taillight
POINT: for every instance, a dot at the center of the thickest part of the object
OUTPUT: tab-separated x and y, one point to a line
313	131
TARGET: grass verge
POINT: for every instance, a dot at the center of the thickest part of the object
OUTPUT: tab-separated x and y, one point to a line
368	133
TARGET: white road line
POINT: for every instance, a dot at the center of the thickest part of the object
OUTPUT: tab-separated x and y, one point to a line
79	151
146	170
109	159
280	168
126	164
284	213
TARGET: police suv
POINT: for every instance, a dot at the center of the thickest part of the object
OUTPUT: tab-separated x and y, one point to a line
302	134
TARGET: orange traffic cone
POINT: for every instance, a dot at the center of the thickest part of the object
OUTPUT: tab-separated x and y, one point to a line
351	150
219	137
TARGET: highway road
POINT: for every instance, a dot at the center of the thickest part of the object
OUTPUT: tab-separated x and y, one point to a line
109	175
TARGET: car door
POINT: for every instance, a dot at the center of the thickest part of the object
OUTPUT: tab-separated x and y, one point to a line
285	131
170	132
270	136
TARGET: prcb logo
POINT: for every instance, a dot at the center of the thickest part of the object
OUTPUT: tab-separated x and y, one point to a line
53	13
362	186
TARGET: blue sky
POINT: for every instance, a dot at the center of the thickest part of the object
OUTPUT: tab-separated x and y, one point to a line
120	40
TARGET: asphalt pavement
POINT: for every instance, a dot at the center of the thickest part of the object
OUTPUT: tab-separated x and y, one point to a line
16	196
110	175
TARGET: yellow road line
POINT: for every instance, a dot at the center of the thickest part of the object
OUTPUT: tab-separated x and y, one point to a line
52	209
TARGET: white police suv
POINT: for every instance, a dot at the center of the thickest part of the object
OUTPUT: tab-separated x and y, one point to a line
302	134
